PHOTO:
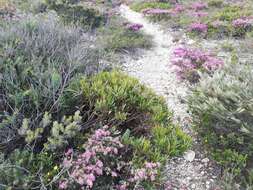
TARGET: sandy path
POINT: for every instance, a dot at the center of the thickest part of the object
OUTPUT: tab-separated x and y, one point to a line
153	69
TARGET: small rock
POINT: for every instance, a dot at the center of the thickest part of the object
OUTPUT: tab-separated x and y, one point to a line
189	155
205	160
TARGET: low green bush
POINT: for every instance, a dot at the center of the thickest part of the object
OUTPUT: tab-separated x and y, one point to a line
222	110
77	14
230	13
215	3
120	38
139	6
119	100
26	170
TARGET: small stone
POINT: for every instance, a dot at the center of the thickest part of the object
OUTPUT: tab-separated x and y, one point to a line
205	160
189	155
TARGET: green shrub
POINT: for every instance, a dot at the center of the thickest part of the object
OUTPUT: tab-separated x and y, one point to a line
222	109
163	143
116	99
230	13
120	38
26	170
77	14
215	3
139	6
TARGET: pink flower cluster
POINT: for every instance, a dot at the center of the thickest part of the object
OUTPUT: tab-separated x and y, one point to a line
198	27
147	173
199	6
134	27
177	9
86	167
242	23
189	61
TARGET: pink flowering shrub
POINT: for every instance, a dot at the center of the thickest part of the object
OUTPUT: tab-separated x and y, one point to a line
99	158
198	27
190	61
134	27
104	159
177	9
199	6
147	173
242	25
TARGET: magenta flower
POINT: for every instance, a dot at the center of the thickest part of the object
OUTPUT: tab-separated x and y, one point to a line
242	23
189	61
134	27
177	9
199	6
198	27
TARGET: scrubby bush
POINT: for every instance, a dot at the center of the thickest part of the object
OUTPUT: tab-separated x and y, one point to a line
39	59
26	170
122	102
140	6
215	3
222	109
230	13
120	38
77	14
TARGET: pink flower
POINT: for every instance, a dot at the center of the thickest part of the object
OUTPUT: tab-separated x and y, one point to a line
63	184
199	6
69	152
242	23
188	61
114	174
177	9
198	27
134	27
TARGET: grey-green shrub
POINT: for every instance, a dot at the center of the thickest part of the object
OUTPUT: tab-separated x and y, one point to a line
222	109
39	57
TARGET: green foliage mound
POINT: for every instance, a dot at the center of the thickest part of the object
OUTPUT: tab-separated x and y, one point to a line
139	6
77	14
116	99
119	38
